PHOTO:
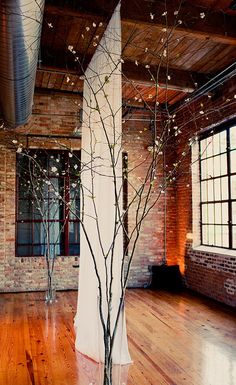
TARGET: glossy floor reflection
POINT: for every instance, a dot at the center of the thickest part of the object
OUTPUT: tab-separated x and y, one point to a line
219	366
174	339
91	372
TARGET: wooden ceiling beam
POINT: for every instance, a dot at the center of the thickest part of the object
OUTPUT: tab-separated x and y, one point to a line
214	26
67	11
171	79
139	75
75	8
191	20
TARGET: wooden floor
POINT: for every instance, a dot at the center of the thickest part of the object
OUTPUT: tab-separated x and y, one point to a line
173	339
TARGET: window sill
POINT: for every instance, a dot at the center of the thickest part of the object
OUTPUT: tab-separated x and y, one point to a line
215	250
42	256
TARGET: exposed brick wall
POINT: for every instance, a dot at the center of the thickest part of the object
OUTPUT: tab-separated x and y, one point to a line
56	114
27	273
209	273
212	274
150	246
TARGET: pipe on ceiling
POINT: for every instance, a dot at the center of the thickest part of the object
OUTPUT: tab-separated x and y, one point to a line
20	31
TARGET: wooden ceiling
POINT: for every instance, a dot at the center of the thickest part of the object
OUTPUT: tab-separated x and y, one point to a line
186	44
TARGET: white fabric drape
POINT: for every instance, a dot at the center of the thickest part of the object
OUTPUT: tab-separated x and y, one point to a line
101	132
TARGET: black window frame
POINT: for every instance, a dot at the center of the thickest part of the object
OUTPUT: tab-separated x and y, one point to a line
67	217
226	126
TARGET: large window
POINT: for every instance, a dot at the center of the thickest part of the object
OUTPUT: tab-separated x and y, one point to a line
218	187
47	214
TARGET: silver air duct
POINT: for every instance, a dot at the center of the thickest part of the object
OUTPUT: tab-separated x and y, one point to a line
20	30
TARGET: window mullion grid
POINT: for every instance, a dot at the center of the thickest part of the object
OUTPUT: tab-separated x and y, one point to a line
66	210
32	233
207	202
229	190
47	220
48	208
200	177
17	208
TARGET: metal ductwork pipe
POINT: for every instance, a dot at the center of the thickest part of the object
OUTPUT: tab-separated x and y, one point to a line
20	31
